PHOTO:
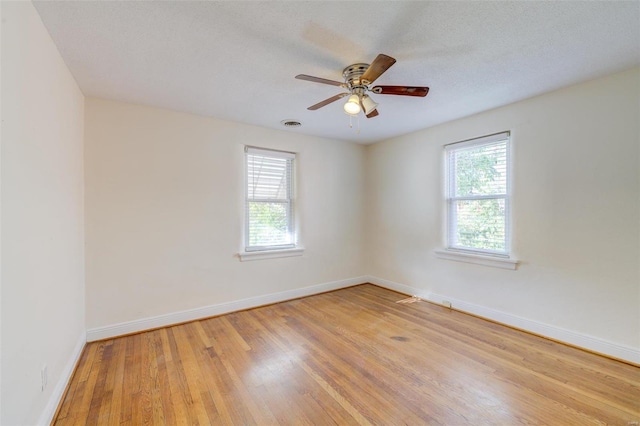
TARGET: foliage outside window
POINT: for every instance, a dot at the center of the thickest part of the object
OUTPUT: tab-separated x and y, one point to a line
269	200
478	195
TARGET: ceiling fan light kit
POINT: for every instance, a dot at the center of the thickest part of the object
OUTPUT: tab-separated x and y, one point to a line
352	107
357	79
368	104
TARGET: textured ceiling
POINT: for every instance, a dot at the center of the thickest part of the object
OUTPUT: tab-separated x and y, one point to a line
237	60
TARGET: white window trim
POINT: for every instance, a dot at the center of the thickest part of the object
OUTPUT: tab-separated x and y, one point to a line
503	262
479	256
270	254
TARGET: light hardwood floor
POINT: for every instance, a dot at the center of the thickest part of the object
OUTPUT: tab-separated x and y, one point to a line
351	356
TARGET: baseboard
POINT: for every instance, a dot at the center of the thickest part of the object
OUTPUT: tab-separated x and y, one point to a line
58	392
590	343
400	288
143	324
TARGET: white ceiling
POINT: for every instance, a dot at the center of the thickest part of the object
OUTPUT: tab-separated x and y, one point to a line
237	60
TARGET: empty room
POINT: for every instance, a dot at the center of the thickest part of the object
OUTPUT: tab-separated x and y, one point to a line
320	212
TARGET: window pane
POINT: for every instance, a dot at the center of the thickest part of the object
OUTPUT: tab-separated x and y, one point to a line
268	223
480	224
480	170
267	177
269	202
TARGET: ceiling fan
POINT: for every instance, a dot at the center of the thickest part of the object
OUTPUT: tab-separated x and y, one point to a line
357	79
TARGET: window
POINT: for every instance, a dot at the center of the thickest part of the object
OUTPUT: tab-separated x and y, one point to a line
269	208
478	195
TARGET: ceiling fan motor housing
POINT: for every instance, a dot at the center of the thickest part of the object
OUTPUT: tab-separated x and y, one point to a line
352	76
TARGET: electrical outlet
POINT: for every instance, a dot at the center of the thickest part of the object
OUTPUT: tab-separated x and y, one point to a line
44	376
446	303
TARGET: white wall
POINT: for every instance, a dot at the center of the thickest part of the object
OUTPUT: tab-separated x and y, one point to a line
576	211
164	212
42	218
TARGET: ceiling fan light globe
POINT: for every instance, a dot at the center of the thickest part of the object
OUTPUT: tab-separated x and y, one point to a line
352	107
368	104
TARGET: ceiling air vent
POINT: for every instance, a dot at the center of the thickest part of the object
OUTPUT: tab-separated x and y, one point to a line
291	123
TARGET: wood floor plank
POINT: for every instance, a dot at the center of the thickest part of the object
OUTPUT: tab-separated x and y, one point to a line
395	376
278	362
266	366
357	364
175	383
296	355
548	364
352	356
192	376
76	387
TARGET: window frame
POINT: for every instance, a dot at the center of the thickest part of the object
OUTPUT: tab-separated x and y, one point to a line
451	199
271	250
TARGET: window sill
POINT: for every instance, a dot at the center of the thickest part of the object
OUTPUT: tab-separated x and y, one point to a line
478	259
270	254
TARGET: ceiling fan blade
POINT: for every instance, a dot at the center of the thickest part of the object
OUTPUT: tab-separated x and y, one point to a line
377	67
318	80
327	101
401	90
373	113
